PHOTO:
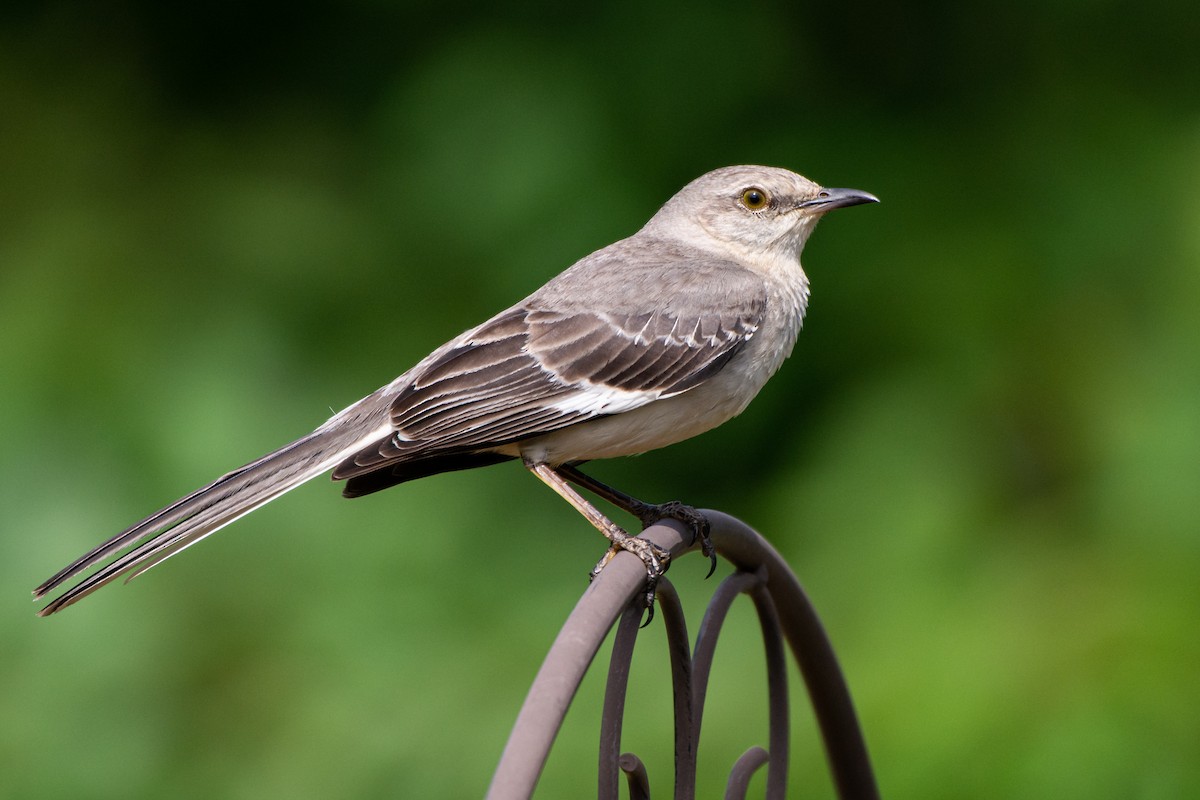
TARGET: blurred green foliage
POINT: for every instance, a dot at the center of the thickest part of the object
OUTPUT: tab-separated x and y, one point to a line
219	221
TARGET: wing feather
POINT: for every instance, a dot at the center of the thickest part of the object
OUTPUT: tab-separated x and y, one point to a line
532	370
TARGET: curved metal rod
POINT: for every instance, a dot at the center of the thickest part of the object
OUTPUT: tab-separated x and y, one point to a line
613	714
710	629
743	770
635	772
845	747
778	710
682	670
562	670
580	638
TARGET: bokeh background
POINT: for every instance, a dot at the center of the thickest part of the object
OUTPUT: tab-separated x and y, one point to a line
220	221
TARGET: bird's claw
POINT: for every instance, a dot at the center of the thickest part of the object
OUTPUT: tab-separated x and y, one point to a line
655	559
649	514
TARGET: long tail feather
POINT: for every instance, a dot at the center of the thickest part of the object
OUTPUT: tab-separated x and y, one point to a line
207	510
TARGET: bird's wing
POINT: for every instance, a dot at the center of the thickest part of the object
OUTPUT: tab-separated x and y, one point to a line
531	370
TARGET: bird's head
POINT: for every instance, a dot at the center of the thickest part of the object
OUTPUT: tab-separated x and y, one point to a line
751	210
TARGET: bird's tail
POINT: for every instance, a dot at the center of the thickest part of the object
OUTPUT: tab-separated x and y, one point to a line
207	510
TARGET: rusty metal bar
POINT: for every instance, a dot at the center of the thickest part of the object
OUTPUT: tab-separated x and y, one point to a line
845	748
785	614
613	713
635	772
743	770
779	738
561	672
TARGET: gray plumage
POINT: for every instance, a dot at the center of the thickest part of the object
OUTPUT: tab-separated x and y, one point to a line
649	341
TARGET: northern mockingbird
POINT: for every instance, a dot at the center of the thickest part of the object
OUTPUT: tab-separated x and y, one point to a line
642	344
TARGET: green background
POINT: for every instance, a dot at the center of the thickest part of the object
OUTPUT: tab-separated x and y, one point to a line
220	221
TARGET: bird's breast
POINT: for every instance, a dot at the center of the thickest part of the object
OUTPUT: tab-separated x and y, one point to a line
673	419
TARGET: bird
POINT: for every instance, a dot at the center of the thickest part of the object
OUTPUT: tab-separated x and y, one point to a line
651	340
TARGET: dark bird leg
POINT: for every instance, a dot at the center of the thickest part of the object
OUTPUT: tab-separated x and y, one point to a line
654	557
648	513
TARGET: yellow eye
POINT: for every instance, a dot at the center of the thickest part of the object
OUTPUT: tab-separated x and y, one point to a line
755	199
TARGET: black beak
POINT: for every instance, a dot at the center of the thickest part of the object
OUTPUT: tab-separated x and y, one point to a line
829	199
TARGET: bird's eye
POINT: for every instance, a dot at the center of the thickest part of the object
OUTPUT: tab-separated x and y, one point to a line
755	199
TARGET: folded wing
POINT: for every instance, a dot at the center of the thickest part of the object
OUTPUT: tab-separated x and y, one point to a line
532	371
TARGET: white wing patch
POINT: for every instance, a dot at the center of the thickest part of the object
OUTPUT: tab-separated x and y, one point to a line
594	400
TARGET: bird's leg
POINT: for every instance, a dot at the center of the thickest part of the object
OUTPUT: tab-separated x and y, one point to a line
649	513
654	557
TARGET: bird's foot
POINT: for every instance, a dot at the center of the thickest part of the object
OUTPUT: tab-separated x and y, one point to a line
655	558
650	513
647	513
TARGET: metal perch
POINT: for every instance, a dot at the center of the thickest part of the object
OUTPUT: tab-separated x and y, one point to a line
785	614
